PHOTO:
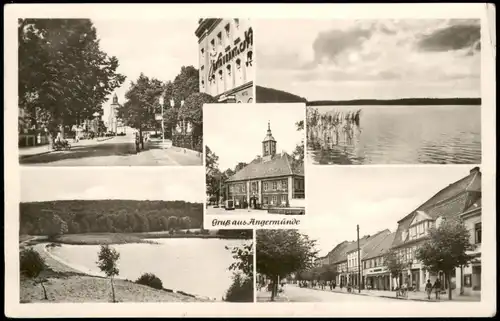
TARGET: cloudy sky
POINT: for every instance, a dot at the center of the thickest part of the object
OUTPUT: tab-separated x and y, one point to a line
158	48
380	59
144	183
235	132
373	197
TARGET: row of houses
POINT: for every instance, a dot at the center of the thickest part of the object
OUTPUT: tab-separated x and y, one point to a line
459	199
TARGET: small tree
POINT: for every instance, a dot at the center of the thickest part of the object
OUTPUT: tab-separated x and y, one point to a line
32	265
282	252
107	263
394	265
446	248
55	226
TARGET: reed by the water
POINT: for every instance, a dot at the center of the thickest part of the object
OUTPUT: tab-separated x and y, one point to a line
325	130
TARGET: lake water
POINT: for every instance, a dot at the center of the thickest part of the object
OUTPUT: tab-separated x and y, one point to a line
402	135
195	266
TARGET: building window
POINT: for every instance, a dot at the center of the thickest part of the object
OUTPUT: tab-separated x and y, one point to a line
275	185
221	76
284	184
219	39
237	23
249	58
213	44
275	200
229	70
265	186
202	54
477	233
228	32
203	84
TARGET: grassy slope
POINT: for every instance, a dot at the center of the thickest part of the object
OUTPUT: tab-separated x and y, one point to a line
65	284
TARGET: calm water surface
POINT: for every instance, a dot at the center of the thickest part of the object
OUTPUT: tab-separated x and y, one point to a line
404	135
196	266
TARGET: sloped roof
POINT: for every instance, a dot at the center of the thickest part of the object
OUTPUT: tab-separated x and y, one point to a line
471	182
334	254
383	246
278	165
374	240
451	200
349	246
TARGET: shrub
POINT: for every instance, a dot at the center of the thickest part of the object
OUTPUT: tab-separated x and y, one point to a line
150	280
31	265
241	290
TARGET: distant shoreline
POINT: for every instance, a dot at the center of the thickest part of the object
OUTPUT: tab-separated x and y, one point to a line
123	238
271	95
399	102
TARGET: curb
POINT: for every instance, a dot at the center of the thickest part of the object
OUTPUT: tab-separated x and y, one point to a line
33	155
378	296
103	140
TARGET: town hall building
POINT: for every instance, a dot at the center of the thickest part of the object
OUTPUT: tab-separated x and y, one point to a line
270	180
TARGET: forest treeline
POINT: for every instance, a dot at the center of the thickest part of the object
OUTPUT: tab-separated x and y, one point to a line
271	95
398	102
108	216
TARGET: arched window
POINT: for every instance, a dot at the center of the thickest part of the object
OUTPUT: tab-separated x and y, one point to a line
250	100
239	101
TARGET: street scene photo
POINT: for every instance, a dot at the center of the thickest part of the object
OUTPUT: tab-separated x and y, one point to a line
377	91
416	239
97	235
254	159
91	94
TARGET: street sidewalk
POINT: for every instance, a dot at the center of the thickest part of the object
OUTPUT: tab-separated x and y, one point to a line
265	296
413	296
45	149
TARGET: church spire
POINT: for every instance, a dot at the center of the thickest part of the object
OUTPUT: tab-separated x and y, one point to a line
269	143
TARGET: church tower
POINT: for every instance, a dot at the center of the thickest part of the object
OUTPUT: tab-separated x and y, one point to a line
112	121
269	144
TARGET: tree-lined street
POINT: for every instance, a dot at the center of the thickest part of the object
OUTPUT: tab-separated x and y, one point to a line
114	151
65	79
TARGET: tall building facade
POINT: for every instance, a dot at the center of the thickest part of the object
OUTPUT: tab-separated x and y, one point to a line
459	199
226	59
270	180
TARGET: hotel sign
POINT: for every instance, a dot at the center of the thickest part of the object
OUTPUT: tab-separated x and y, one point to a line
231	52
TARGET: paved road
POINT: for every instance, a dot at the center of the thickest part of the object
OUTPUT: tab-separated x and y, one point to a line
294	293
118	151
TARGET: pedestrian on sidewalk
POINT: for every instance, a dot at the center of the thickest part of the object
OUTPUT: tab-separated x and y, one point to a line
437	288
137	142
428	289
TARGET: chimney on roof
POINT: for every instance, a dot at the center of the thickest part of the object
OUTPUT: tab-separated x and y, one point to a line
475	170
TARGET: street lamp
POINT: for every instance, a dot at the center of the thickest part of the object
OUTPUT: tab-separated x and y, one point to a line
162	100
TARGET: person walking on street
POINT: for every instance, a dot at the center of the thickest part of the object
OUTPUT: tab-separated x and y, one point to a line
428	289
137	142
437	288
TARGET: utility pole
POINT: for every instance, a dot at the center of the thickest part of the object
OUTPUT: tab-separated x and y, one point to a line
359	263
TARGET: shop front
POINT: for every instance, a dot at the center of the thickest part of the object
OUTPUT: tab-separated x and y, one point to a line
378	279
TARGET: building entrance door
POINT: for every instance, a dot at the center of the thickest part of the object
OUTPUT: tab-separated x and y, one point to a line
253	202
415	279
